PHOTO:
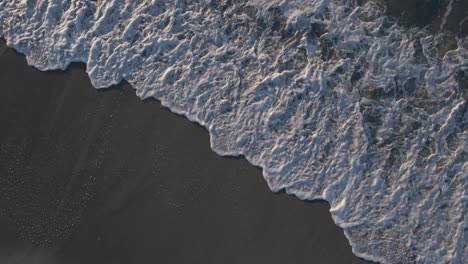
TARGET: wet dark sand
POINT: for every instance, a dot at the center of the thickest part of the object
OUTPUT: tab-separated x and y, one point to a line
98	176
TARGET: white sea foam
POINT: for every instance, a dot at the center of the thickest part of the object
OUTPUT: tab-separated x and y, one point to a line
333	100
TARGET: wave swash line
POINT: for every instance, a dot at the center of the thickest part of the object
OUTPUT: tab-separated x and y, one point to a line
332	99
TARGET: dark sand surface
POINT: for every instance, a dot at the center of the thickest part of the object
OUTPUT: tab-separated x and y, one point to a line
98	176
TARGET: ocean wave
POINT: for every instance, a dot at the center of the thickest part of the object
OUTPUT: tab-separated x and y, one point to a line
333	99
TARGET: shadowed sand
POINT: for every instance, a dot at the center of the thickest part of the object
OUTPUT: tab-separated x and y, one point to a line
98	176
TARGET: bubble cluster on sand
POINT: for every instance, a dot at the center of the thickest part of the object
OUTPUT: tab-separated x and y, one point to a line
332	99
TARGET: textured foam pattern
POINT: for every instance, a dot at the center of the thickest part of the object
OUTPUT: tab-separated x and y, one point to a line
332	99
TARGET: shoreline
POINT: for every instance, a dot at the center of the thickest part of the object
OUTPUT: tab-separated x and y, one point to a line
124	84
110	102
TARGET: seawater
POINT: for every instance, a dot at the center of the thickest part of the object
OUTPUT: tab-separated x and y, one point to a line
334	100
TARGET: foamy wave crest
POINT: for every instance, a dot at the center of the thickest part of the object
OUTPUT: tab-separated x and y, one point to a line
332	99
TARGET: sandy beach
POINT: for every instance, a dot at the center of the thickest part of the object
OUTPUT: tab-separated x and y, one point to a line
99	176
